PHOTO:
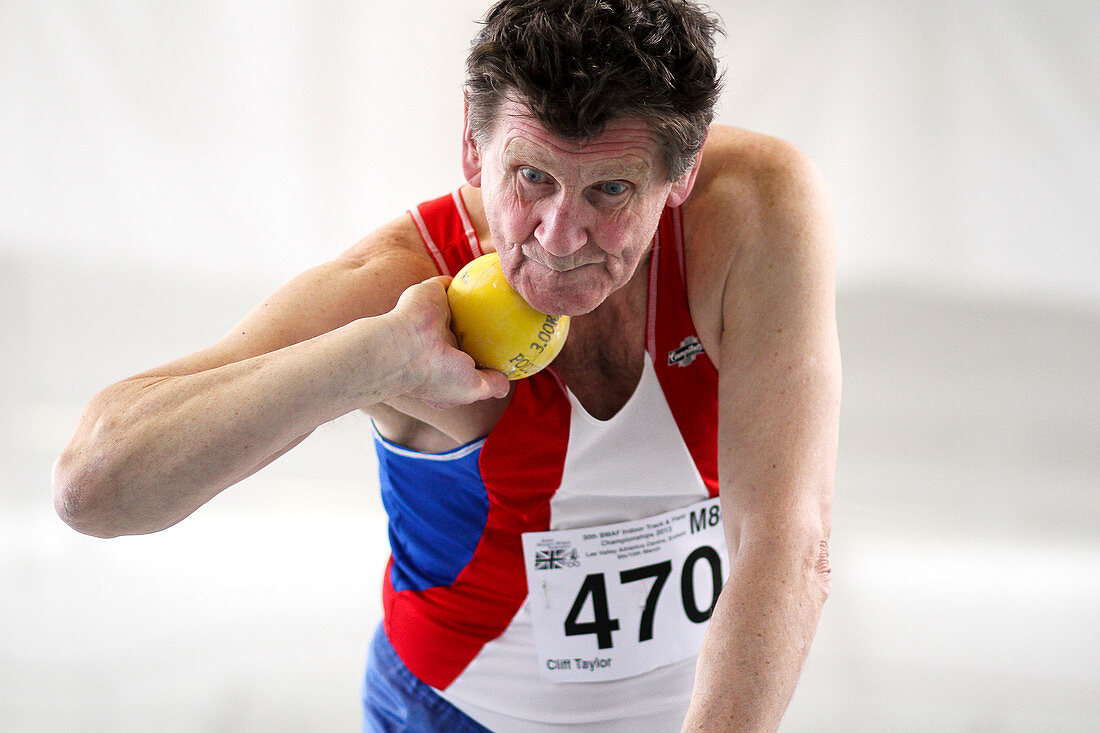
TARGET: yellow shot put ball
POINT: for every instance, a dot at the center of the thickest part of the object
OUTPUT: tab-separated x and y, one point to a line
497	327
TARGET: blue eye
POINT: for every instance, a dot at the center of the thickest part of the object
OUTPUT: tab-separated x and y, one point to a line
613	188
533	175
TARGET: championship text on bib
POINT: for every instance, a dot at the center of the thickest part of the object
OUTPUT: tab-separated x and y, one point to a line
619	600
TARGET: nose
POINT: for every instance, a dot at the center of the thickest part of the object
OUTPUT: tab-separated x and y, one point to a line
564	223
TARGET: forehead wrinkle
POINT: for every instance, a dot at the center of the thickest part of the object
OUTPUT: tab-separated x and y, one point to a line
633	144
550	156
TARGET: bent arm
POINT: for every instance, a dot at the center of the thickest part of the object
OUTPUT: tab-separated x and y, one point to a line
148	451
779	392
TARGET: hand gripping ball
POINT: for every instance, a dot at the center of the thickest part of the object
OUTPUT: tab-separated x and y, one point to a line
497	327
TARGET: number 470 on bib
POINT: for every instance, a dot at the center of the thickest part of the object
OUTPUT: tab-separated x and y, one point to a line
602	625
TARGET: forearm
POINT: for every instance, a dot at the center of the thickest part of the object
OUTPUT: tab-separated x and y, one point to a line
758	639
150	451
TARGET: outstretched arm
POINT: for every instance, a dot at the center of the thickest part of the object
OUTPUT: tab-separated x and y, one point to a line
779	392
150	450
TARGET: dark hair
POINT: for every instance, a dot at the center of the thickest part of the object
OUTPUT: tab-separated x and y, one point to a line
580	64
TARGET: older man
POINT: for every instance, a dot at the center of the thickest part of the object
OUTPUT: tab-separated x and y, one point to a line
563	546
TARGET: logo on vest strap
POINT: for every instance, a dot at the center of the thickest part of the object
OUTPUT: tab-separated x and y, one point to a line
689	348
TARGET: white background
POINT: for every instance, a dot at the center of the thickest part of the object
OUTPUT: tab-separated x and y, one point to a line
165	165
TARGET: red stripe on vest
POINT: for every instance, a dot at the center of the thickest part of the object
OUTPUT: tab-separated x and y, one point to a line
437	632
447	231
690	382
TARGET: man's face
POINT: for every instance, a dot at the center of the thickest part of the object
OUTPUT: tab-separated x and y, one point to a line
570	222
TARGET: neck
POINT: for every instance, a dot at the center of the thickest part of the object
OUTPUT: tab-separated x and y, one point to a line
603	357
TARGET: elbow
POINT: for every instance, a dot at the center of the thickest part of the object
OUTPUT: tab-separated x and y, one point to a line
79	499
822	571
795	557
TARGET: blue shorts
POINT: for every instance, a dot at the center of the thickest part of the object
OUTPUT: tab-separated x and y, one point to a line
396	701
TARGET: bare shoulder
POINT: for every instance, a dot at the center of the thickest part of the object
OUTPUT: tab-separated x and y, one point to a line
364	280
397	241
758	225
749	184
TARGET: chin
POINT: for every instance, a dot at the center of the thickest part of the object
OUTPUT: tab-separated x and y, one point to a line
562	302
570	293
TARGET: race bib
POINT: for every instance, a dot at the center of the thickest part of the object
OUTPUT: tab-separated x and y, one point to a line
619	600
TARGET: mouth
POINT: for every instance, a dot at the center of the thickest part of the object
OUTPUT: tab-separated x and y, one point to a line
578	259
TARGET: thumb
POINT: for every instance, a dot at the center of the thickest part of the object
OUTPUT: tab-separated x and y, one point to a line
496	384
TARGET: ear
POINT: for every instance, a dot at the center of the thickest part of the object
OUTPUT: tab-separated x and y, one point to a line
681	188
471	156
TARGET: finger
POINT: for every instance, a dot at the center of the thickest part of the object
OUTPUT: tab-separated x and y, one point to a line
495	382
443	280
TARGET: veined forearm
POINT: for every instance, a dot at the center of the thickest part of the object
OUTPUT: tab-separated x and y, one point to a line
150	451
